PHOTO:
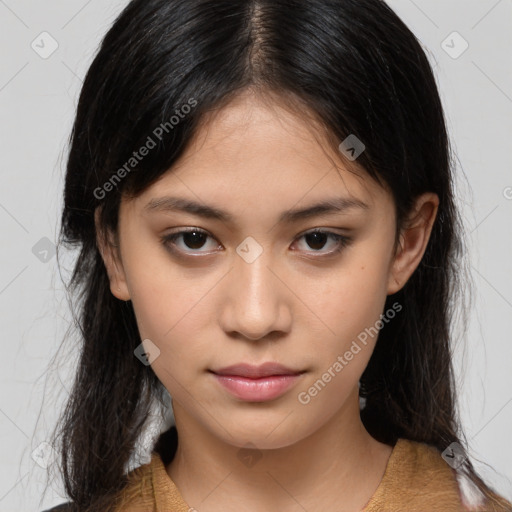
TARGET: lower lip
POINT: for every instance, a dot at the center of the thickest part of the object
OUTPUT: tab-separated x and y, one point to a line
257	390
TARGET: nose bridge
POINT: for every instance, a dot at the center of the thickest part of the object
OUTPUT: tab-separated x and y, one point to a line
256	304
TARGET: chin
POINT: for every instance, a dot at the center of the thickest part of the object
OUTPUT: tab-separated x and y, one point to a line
264	435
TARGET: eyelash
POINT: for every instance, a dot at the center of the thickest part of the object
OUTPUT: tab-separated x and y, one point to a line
342	241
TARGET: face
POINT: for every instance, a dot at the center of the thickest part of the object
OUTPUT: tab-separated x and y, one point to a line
223	266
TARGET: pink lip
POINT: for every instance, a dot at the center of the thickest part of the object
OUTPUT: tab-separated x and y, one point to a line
257	390
254	372
257	383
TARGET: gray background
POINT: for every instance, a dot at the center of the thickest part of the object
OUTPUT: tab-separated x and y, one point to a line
37	99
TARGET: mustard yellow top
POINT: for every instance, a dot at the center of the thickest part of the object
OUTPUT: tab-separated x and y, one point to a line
416	479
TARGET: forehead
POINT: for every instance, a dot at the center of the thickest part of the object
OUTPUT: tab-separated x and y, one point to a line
254	151
261	131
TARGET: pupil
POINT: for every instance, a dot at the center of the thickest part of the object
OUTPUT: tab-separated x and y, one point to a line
316	236
193	239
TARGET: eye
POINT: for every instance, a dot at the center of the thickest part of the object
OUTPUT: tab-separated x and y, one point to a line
318	238
193	239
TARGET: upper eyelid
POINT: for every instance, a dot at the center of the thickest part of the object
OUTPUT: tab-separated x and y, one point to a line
188	229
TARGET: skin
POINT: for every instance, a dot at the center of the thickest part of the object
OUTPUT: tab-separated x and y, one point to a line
211	308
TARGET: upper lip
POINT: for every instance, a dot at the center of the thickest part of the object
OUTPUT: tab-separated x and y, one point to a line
251	371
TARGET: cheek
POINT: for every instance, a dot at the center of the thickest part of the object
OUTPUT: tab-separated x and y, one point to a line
351	308
172	321
353	298
165	296
169	313
172	306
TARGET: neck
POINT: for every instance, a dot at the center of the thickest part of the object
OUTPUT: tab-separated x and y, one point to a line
337	467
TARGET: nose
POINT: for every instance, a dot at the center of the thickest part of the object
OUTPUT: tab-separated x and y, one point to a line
256	301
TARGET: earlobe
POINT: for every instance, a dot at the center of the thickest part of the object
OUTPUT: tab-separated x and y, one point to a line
413	241
110	254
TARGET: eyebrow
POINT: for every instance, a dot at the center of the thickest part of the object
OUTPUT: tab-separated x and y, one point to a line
326	207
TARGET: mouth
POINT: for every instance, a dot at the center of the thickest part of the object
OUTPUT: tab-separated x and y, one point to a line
257	383
255	372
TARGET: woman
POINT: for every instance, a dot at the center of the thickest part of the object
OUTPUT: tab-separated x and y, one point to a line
262	197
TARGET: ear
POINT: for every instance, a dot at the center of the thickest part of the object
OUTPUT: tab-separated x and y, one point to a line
110	253
413	240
